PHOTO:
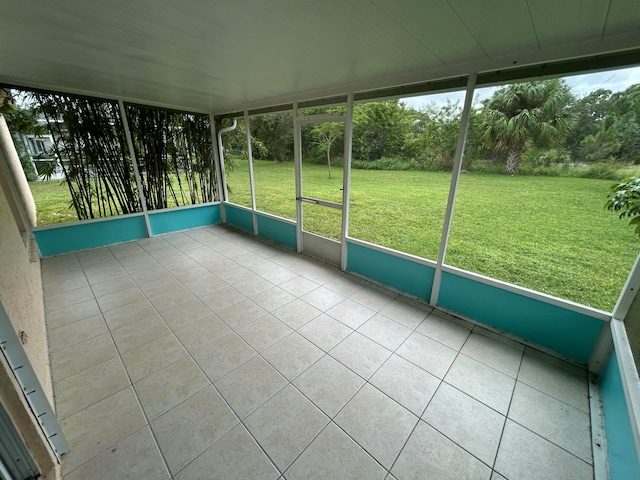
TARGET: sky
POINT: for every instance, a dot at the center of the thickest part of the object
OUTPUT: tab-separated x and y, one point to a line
614	80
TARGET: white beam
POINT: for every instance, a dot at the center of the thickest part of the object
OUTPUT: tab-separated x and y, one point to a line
247	127
297	158
134	164
346	180
219	166
455	175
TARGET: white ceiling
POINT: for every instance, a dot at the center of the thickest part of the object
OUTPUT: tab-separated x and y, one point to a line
222	56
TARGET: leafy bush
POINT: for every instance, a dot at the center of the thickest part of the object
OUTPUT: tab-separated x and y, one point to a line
603	171
386	164
625	198
606	171
536	157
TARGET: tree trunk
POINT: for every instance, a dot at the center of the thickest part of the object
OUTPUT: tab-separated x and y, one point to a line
329	159
513	162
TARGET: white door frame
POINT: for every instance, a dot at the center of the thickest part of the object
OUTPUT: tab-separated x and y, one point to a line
324	248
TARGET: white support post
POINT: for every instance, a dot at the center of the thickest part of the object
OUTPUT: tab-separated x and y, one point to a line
216	159
604	344
629	291
219	155
134	163
297	157
455	175
629	376
223	174
601	350
247	127
346	181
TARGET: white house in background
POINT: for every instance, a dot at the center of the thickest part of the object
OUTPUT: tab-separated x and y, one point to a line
40	150
39	145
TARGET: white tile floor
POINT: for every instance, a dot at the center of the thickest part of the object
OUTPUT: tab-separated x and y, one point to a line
209	354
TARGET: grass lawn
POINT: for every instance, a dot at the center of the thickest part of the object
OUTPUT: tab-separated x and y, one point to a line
549	234
53	202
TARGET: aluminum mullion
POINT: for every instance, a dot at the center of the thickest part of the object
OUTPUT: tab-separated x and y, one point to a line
221	156
346	180
297	158
247	127
134	163
216	158
455	175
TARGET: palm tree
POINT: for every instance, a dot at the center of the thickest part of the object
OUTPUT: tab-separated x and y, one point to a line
526	114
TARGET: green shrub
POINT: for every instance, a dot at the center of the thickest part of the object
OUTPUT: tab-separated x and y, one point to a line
536	157
605	171
385	163
625	199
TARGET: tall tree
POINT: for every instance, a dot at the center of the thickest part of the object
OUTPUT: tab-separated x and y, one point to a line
326	134
626	108
432	135
604	144
527	114
379	129
275	133
590	112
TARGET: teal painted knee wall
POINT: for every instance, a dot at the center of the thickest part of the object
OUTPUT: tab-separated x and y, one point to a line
623	459
183	218
562	330
239	217
400	273
72	237
277	230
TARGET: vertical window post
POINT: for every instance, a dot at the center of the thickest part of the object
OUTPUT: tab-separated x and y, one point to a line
134	163
455	175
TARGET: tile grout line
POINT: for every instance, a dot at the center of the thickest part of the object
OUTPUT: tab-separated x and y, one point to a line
504	425
367	382
325	353
130	385
201	371
135	393
211	383
429	402
290	383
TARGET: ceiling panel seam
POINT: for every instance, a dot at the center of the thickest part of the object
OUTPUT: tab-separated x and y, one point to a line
533	25
393	20
468	29
606	20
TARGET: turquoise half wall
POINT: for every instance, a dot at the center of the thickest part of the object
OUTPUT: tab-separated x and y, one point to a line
239	217
562	330
279	231
183	218
400	273
621	452
71	237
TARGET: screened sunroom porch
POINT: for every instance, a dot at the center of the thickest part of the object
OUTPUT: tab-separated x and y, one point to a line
213	303
532	367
